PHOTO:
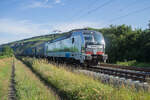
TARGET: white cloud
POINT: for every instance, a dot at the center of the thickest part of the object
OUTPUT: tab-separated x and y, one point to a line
41	4
20	29
27	27
57	1
2	40
38	4
76	25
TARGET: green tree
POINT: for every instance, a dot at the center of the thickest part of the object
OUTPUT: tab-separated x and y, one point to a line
6	51
122	42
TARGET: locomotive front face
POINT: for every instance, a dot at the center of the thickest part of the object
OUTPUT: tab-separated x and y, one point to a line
94	46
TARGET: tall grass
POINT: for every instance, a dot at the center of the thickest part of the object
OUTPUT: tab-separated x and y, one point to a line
5	72
29	87
74	86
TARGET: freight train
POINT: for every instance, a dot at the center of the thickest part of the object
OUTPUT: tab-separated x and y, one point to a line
82	45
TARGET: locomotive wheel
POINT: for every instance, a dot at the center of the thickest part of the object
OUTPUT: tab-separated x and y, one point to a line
91	63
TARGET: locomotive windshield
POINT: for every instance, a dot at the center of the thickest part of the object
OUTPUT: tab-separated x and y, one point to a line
88	38
93	38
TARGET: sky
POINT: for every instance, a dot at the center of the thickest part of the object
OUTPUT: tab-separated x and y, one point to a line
20	19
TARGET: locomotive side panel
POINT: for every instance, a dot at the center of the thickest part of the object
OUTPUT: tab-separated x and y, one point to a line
78	46
60	48
67	48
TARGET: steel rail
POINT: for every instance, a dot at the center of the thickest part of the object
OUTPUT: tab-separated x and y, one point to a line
134	75
126	67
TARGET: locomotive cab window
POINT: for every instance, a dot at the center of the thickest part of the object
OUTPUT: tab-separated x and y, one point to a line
93	37
98	38
88	37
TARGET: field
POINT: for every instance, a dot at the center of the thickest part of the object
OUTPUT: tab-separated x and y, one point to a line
36	79
29	87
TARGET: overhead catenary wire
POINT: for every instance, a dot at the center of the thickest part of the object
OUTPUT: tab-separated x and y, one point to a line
96	8
130	13
76	15
129	5
91	4
107	3
120	17
100	6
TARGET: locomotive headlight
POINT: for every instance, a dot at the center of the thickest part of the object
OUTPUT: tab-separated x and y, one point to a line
102	41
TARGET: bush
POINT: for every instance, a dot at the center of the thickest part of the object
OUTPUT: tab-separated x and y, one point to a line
6	52
134	63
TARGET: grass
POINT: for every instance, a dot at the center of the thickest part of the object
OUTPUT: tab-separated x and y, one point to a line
5	72
29	87
134	63
2	57
75	86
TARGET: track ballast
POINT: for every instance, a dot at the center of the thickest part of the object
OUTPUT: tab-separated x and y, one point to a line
139	74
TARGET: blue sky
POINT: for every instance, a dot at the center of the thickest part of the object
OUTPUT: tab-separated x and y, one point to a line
21	19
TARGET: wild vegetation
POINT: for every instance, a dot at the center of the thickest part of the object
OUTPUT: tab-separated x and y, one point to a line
5	72
29	87
75	86
134	63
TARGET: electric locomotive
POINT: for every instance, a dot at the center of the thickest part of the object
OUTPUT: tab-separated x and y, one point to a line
85	46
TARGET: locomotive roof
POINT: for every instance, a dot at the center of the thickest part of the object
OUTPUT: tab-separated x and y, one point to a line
68	34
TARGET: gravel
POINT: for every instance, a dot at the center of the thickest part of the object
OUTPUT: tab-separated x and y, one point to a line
117	81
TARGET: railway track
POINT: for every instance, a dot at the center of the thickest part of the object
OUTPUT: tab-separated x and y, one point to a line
138	74
146	70
127	72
